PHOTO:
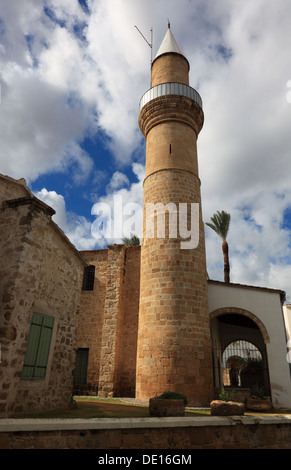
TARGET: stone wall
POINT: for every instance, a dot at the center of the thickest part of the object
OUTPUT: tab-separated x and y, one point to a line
91	317
11	188
111	328
108	321
198	433
126	355
40	272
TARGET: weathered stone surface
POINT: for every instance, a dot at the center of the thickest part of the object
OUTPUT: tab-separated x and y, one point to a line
166	407
174	343
226	408
190	433
41	272
108	321
258	404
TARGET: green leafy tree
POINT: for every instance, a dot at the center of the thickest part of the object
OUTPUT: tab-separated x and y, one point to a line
220	222
131	241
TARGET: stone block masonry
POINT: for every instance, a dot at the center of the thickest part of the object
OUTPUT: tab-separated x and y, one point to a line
41	273
112	321
91	316
181	434
173	306
174	345
170	68
108	320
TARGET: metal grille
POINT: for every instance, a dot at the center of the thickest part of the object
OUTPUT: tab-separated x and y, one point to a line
241	364
88	278
234	360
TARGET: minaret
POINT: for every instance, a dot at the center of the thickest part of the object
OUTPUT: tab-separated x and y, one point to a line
174	345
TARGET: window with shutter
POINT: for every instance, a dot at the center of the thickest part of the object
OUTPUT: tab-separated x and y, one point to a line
38	347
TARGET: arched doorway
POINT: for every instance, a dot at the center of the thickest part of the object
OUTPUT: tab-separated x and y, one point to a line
239	352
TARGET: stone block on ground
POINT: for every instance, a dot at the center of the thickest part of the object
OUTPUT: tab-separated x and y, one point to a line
227	408
259	404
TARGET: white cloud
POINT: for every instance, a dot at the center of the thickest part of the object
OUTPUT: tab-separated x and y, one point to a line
65	75
77	228
259	245
119	213
40	132
57	202
124	202
118	180
68	77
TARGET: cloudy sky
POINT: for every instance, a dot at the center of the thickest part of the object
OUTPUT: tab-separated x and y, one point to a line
72	74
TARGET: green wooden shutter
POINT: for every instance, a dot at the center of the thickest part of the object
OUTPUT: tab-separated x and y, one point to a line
38	347
31	352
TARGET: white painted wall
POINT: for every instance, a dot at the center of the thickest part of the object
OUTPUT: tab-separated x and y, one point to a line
266	306
287	317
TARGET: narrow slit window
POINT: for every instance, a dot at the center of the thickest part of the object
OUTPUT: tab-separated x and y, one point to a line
88	278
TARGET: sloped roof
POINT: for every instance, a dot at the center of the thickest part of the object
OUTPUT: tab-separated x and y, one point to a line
169	44
30	198
280	292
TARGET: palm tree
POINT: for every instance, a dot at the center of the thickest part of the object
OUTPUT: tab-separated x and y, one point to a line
220	224
132	241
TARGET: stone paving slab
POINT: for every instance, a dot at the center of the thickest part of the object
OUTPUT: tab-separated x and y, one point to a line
25	425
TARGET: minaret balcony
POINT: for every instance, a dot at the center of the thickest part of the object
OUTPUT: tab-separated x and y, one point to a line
164	89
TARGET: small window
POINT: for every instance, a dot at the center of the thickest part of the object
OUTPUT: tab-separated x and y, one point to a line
38	347
88	279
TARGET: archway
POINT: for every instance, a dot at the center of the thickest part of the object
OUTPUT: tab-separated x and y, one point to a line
239	351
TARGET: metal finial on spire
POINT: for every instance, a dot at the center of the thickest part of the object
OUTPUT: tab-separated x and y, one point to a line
169	24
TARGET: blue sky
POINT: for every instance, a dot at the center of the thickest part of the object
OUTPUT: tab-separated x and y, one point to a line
72	74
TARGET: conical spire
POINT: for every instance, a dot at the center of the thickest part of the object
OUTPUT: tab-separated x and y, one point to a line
169	44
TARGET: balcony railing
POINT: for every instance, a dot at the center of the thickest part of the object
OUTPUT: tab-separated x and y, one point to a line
170	89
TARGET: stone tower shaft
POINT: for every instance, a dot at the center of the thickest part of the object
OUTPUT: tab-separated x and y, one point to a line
174	348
